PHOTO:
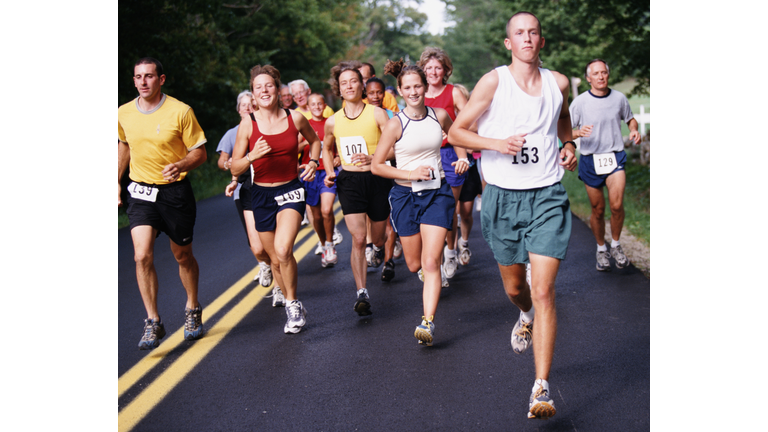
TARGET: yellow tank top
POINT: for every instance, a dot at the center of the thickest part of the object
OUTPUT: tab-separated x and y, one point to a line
358	135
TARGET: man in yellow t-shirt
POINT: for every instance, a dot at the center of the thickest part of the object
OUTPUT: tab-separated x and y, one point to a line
161	139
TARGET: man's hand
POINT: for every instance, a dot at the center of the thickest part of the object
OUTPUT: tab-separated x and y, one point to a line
171	173
635	136
119	191
569	159
511	145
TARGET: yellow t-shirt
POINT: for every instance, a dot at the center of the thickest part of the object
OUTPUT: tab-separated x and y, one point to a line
158	138
351	134
327	112
389	102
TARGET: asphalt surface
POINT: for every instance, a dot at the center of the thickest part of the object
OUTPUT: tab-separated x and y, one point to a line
345	372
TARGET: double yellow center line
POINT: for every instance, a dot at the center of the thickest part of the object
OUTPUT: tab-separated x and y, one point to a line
140	406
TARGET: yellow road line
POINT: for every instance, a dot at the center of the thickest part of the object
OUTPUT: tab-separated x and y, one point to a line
160	387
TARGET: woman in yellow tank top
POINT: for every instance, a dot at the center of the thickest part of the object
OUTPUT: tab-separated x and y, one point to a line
355	130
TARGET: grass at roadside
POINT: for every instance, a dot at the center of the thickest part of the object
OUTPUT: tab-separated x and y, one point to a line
637	198
207	180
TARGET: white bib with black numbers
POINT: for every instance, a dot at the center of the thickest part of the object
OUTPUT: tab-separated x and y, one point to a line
433	183
293	196
142	192
605	163
352	145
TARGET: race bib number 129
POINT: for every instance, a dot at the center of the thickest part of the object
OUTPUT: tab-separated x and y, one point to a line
605	163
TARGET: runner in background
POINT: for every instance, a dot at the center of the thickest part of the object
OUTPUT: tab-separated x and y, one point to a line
242	192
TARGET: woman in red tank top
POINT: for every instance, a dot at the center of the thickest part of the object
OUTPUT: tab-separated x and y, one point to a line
267	142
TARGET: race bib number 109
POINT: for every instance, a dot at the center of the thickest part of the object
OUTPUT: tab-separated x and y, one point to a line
293	196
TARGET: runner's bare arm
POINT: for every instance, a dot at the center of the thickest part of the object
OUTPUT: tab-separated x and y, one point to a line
329	141
123	159
309	134
564	130
462	134
389	136
192	160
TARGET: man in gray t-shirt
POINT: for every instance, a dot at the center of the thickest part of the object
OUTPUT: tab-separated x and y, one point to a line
596	117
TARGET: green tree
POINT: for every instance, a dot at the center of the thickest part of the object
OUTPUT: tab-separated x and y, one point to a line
575	32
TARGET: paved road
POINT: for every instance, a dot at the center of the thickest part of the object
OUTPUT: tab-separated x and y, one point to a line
345	372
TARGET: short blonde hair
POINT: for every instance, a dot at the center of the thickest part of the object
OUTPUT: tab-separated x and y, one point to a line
439	55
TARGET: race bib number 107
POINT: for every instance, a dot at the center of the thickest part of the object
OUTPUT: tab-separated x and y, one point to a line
352	145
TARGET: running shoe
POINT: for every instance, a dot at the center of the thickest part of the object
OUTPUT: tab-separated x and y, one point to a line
319	249
521	335
305	221
153	332
377	257
368	253
297	317
362	305
425	331
603	264
193	323
540	406
450	264
443	279
329	256
278	299
388	272
337	236
464	254
265	274
398	249
621	259
478	204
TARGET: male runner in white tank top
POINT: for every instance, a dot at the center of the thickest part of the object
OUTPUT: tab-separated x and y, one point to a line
521	110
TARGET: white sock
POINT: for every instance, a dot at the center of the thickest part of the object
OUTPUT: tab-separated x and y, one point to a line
528	316
449	253
540	383
614	243
362	291
602	248
328	244
463	243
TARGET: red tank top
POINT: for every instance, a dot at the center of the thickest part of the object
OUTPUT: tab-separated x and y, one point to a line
319	128
280	164
445	101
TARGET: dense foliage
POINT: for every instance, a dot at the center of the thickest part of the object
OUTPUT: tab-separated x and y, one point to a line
575	31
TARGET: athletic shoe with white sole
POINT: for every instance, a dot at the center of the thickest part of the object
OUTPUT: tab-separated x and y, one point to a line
618	254
329	258
425	332
376	257
540	405
265	274
337	236
296	317
278	299
603	264
450	265
464	254
362	305
521	335
319	249
398	252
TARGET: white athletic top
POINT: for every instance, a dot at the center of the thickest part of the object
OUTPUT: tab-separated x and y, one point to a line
420	143
512	112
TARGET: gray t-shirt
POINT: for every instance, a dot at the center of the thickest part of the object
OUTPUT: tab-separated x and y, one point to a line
605	115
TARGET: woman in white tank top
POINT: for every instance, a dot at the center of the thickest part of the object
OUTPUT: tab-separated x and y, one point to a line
422	202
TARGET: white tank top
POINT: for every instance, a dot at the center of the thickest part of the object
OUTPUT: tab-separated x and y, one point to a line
420	143
512	112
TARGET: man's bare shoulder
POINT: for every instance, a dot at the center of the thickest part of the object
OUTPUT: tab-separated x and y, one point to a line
562	81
